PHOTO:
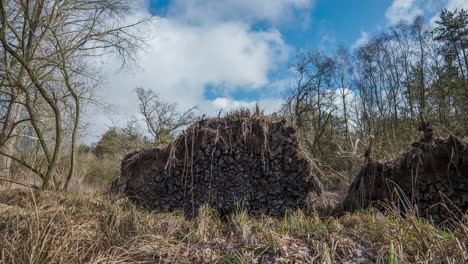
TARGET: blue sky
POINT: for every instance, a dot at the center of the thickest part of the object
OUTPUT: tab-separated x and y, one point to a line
325	24
222	54
330	27
342	20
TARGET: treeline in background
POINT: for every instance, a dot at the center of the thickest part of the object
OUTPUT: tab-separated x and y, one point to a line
372	97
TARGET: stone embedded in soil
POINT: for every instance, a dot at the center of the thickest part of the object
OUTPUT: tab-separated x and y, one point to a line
224	162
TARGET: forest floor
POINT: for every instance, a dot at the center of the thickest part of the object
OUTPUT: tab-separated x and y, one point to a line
48	227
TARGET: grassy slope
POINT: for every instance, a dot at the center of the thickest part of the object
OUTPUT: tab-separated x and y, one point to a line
77	228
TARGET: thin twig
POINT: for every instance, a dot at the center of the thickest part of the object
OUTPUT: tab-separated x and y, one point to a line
334	171
18	183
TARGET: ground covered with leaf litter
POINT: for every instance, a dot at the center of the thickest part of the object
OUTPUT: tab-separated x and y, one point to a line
46	227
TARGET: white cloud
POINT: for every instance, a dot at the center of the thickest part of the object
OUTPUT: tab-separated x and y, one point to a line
405	10
204	43
226	104
230	104
183	59
408	10
350	98
229	54
352	104
450	5
361	41
209	11
457	4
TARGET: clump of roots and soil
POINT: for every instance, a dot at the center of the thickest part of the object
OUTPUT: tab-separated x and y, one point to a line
252	161
430	178
50	227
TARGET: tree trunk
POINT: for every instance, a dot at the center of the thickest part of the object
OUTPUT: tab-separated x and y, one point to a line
51	169
345	112
71	172
8	139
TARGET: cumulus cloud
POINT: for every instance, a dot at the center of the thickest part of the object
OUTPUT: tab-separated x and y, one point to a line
200	44
230	104
269	105
361	41
228	54
449	5
405	10
183	59
457	4
408	10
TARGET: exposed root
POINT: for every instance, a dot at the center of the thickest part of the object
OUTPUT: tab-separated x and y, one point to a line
430	176
222	161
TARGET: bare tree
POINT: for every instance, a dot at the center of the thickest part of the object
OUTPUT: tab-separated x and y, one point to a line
343	83
311	102
161	117
48	47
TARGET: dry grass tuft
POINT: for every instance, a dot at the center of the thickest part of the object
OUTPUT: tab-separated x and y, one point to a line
83	228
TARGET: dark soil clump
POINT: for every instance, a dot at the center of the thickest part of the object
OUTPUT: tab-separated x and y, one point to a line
223	162
432	176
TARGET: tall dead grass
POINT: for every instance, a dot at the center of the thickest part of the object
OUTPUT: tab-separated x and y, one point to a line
46	227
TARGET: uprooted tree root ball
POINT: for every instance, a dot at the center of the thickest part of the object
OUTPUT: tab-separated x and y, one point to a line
254	162
431	176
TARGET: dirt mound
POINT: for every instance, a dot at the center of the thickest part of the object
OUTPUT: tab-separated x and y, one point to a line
431	174
222	162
